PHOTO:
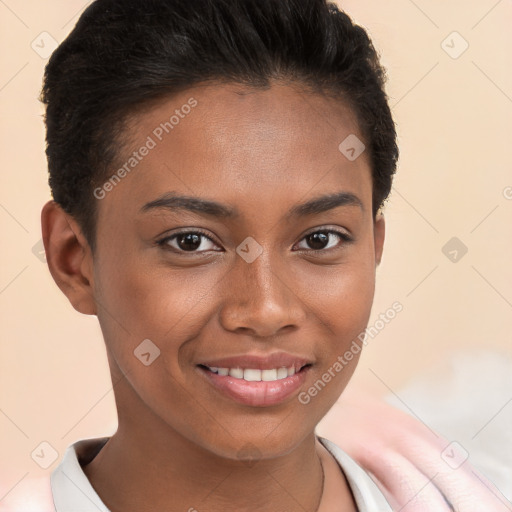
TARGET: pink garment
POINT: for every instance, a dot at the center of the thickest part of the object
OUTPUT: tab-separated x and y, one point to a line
415	468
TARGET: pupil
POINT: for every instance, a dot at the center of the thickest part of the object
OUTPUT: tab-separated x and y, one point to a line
190	238
318	240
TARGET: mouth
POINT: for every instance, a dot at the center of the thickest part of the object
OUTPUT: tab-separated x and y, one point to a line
256	374
256	382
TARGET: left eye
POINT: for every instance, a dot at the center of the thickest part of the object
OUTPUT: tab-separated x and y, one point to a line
188	241
318	239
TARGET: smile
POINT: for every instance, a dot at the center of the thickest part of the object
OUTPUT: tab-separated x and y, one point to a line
256	387
254	374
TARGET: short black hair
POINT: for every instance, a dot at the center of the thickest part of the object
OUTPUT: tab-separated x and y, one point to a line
123	53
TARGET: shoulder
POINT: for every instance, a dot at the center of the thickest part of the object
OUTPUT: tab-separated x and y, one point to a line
406	451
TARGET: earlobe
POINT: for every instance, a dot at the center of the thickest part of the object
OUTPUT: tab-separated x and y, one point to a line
68	256
379	232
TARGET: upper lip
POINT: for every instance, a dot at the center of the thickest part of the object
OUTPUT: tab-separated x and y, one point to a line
259	362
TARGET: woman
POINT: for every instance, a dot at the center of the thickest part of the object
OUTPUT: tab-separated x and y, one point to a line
218	170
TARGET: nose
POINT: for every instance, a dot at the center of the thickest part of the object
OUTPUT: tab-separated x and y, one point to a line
261	299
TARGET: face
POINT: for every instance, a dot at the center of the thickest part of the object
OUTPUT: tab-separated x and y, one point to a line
256	279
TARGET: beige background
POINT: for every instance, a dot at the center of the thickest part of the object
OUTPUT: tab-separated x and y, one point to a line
454	120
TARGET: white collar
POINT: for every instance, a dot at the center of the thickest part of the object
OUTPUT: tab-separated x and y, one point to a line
71	489
366	493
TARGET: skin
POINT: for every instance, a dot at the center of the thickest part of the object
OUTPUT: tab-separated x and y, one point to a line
180	443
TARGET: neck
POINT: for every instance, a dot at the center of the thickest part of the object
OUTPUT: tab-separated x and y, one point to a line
139	472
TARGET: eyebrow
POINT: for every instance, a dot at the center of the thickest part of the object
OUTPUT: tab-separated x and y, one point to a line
172	201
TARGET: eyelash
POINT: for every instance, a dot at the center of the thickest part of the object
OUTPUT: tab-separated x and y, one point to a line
164	241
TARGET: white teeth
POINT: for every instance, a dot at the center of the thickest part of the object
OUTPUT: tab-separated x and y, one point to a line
255	375
269	375
238	373
282	373
252	375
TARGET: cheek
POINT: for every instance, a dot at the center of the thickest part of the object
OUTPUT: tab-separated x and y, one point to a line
343	308
145	317
342	303
341	295
149	301
156	304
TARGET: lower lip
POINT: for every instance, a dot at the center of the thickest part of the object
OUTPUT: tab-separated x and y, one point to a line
259	393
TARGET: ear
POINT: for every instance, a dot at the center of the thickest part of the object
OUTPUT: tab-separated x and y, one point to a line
379	232
69	257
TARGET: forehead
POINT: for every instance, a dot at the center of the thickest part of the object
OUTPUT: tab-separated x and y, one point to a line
242	145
